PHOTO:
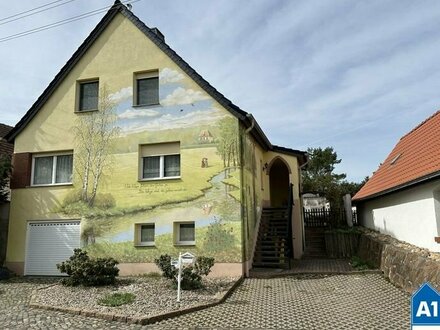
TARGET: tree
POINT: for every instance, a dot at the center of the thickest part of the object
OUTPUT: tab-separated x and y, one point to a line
319	176
5	172
94	134
227	146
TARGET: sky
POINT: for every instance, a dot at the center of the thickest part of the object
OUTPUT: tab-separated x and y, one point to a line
354	75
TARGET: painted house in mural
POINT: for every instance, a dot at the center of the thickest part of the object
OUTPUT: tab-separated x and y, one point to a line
402	198
130	153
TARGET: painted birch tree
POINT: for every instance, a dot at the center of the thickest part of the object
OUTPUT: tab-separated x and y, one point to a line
94	135
227	146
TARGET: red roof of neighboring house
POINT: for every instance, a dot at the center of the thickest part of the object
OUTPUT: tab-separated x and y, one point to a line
416	157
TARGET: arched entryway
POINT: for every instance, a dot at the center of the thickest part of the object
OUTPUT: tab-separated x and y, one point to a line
279	183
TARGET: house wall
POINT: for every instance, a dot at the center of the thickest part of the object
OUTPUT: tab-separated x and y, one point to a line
297	214
185	110
256	194
4	220
410	215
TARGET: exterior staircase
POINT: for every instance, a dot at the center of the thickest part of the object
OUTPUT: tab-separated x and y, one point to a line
315	243
273	245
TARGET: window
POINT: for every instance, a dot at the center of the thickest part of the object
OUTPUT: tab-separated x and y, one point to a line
88	96
147	88
144	234
160	161
52	169
185	233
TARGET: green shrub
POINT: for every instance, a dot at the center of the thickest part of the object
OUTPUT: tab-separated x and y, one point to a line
360	264
117	299
83	270
219	237
191	274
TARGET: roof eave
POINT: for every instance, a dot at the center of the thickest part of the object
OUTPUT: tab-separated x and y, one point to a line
403	186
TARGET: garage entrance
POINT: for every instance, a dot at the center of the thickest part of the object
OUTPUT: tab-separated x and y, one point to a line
49	243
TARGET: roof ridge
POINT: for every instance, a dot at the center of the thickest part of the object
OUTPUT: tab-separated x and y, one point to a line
421	124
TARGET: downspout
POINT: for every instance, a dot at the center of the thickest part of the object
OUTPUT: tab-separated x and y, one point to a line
248	266
252	119
301	205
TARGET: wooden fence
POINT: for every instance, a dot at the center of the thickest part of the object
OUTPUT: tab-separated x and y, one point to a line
327	218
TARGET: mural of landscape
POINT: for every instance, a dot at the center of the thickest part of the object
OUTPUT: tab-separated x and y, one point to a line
111	199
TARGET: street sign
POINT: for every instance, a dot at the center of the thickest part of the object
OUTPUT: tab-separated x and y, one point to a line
425	304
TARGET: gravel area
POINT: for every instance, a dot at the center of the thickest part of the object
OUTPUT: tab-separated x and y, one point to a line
154	296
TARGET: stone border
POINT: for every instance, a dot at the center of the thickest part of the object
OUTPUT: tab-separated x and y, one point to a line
269	275
143	320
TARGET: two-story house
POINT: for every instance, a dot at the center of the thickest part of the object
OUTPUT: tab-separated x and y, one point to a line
110	158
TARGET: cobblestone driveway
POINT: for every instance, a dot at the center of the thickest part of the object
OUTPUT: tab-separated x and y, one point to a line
302	302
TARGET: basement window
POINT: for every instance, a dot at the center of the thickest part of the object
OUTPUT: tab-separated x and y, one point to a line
185	233
144	234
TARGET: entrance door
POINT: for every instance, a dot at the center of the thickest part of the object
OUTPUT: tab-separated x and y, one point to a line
279	184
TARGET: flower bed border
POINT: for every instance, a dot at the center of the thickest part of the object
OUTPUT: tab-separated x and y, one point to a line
143	320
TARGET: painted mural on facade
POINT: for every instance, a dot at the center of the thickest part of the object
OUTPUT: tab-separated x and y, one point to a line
252	193
116	201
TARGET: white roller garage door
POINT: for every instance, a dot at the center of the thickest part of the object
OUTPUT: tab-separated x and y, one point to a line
49	243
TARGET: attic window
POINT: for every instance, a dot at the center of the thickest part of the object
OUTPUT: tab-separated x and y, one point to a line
146	88
394	160
88	95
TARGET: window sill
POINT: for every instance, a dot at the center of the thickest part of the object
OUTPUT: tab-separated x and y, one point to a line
160	179
154	105
51	185
185	244
152	244
85	111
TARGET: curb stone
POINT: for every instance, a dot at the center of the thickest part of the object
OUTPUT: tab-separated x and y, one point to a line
134	319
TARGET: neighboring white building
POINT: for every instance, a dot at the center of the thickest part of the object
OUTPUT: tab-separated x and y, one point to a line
402	198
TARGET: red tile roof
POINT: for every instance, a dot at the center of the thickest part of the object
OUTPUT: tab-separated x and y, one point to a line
415	157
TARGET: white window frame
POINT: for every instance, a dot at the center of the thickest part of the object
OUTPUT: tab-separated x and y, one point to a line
177	240
138	234
54	167
161	168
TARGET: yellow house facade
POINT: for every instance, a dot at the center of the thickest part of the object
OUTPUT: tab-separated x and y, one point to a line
111	158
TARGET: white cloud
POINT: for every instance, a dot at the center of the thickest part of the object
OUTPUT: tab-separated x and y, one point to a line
168	75
138	113
122	94
183	96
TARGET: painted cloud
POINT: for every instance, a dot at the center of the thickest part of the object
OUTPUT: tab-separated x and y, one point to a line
138	113
183	96
122	94
170	76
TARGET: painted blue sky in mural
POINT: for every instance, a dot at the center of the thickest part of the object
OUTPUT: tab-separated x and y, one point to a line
356	75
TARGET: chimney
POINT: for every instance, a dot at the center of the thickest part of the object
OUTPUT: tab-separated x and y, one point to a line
159	34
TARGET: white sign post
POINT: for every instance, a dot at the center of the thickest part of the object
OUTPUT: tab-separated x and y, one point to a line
186	258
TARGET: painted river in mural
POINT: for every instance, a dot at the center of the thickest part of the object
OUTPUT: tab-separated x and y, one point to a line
216	204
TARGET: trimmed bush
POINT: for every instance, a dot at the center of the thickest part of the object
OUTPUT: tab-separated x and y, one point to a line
191	274
83	270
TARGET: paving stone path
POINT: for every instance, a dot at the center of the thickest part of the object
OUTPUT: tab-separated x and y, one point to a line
355	301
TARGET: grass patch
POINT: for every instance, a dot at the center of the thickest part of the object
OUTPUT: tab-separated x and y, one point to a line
117	299
359	264
152	275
